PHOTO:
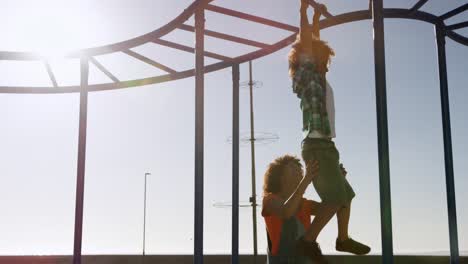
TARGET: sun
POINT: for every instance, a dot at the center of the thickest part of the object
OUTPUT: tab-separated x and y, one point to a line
50	28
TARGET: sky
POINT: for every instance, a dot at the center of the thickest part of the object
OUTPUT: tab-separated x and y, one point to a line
151	129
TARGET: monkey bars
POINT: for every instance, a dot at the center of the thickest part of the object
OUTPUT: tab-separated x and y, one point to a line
376	12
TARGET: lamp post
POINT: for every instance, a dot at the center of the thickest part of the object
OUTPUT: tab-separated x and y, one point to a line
253	199
144	216
251	138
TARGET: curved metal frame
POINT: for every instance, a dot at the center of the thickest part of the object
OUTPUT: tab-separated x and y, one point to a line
178	23
198	8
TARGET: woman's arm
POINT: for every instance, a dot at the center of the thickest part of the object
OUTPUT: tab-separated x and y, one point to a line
288	208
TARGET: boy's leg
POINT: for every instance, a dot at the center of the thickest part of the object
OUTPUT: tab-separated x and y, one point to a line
315	207
344	243
307	246
324	214
314	150
343	215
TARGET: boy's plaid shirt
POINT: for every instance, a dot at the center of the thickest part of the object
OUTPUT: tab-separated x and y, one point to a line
310	87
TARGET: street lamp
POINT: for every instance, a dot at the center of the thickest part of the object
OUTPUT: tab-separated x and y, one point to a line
144	216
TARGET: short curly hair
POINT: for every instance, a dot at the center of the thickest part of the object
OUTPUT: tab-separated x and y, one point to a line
322	50
274	172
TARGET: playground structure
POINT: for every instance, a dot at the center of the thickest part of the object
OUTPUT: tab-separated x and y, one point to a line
376	12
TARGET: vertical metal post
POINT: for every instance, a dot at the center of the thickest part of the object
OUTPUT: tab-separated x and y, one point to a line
382	131
253	199
78	235
144	217
447	134
199	133
235	164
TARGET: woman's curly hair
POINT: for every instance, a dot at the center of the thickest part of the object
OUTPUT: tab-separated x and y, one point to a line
322	52
272	177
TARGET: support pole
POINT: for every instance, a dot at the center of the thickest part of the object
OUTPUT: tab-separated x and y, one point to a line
447	134
382	131
199	133
235	164
78	236
144	217
253	199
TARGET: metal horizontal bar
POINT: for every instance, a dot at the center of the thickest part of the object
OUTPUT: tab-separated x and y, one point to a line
152	80
103	70
119	46
457	26
125	45
149	61
227	37
131	43
454	12
249	17
418	15
51	74
457	37
345	18
337	20
418	5
20	56
190	49
315	5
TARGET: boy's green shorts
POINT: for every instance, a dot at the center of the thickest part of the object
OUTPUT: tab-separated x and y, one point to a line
330	184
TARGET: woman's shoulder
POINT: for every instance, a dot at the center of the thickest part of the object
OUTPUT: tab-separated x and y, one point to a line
270	202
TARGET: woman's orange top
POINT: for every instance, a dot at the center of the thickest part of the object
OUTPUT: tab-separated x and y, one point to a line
274	223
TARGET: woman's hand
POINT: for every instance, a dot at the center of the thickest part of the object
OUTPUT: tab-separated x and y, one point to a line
343	170
312	170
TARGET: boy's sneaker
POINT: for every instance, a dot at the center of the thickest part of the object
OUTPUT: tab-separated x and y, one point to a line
310	249
352	246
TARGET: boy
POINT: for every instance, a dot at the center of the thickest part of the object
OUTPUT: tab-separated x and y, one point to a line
308	64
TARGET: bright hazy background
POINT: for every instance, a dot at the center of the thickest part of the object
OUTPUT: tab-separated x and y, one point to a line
151	129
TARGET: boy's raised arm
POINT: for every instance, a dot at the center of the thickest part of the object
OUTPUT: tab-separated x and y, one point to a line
305	30
318	11
315	23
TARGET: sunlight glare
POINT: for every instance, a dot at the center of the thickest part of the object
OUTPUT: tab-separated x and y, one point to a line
53	28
